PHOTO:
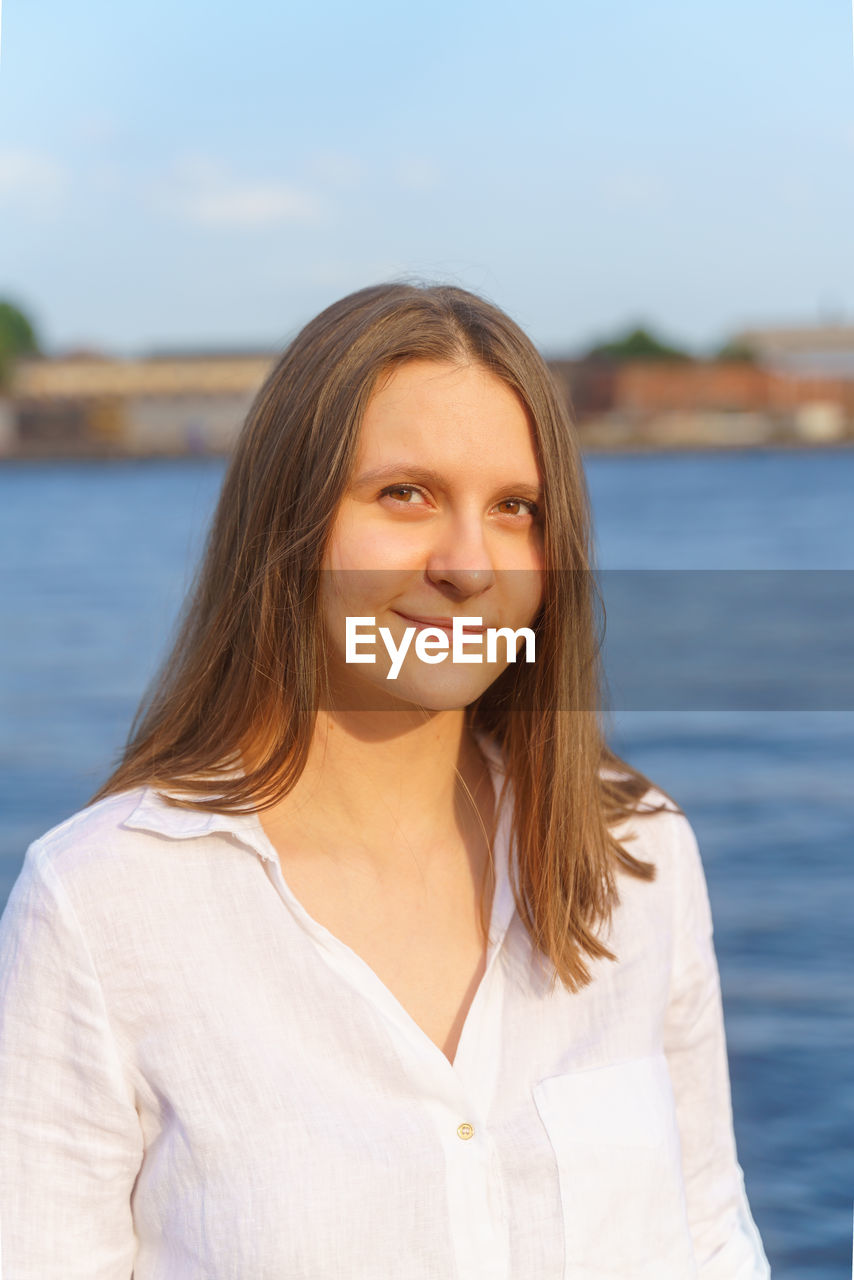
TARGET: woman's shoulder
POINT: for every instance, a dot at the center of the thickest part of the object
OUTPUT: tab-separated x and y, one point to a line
89	829
99	844
74	863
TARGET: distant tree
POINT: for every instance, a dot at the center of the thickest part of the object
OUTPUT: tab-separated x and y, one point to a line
639	344
737	351
17	338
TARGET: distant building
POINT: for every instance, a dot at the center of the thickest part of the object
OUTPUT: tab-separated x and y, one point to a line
825	351
174	404
86	404
704	403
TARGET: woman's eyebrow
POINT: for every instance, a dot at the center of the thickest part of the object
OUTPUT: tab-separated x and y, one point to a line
426	475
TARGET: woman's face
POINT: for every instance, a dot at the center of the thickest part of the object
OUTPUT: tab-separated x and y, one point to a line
441	520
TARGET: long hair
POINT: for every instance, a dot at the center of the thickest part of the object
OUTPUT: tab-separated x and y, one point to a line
247	661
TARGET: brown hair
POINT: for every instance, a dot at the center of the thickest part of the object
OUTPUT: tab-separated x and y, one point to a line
235	673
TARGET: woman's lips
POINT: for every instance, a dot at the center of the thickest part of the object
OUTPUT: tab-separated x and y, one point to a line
443	624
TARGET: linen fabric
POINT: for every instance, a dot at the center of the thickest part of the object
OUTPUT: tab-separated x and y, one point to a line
197	1079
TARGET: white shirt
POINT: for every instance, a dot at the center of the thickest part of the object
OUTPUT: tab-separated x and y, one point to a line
199	1080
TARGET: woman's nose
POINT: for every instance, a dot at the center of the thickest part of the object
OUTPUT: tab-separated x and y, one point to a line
460	558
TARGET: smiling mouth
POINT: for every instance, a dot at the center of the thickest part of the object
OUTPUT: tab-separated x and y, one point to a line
442	624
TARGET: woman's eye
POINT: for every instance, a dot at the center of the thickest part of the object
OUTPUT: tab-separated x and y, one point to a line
409	495
521	506
405	494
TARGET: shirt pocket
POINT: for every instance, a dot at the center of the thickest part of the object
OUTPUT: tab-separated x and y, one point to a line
615	1138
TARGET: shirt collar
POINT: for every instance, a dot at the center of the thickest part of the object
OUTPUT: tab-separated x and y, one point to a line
154	814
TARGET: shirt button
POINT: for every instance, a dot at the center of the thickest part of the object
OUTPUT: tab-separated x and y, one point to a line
465	1131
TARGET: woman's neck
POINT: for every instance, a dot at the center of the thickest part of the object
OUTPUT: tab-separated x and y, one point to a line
374	777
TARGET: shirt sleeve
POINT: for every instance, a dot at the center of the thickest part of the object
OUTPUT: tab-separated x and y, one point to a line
70	1139
727	1244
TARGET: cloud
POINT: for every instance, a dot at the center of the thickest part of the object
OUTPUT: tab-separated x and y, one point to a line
29	177
251	206
203	192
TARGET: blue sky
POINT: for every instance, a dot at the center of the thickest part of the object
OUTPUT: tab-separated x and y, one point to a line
199	174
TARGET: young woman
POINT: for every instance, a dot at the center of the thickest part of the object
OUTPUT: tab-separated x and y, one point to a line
387	968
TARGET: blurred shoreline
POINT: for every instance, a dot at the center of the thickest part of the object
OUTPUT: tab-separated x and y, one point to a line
193	404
